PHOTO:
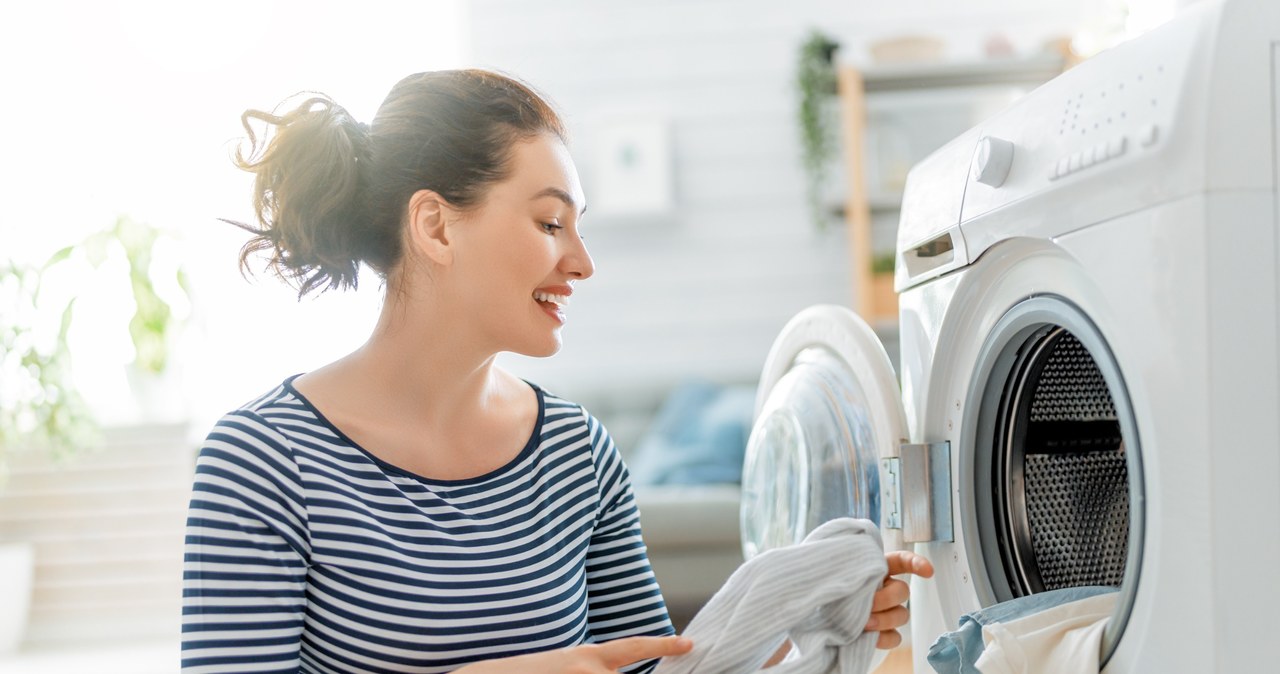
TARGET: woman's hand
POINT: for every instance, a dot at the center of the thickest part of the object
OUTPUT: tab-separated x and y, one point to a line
586	659
888	612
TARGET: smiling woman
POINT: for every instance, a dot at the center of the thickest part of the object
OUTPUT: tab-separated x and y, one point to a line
412	507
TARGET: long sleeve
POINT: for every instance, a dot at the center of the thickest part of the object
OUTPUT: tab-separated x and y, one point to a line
623	595
247	546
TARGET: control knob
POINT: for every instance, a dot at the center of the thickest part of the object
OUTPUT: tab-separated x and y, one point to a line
992	161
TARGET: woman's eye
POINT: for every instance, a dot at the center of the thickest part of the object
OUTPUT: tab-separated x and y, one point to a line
551	227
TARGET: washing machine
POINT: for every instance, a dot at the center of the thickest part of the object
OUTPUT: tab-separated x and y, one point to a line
1088	383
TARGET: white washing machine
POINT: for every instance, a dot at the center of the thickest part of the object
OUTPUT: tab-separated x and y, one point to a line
1088	391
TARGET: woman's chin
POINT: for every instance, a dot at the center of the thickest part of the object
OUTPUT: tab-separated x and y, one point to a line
545	349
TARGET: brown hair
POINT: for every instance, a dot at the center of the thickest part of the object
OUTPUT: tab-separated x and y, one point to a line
330	193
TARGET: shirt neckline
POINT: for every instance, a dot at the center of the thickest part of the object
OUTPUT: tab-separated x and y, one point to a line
530	445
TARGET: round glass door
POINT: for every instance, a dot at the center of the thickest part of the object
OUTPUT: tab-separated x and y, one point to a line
813	454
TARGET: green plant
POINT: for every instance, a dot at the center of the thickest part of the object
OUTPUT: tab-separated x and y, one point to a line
884	263
816	83
152	325
40	407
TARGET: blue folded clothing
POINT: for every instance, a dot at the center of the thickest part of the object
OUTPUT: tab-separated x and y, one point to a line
956	652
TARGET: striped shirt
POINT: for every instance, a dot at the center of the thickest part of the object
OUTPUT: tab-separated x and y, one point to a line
304	552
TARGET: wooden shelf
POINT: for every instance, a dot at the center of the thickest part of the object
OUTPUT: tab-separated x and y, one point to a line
1024	70
854	85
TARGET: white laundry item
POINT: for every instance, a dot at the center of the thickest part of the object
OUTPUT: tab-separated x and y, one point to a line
818	592
1065	639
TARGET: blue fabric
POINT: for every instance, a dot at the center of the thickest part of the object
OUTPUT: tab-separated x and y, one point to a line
699	436
956	652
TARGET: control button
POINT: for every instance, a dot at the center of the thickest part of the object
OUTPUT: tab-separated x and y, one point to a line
1116	147
1064	166
1073	162
992	161
1100	153
1148	135
1086	158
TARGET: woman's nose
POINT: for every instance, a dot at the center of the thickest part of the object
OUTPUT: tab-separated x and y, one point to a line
577	261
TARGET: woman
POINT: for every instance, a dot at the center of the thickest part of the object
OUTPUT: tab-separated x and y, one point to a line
412	507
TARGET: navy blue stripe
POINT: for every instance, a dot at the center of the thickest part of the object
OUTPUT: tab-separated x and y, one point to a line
264	625
202	609
260	642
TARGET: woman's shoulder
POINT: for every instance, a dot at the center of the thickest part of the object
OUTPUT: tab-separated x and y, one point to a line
558	411
278	403
553	403
262	421
562	416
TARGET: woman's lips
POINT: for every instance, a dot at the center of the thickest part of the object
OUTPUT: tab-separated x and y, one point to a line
553	310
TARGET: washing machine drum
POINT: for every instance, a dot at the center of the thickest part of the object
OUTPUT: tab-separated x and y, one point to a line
1056	464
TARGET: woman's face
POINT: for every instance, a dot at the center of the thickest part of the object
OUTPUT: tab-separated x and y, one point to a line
518	255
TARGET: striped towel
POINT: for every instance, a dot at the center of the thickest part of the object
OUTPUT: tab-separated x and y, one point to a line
818	592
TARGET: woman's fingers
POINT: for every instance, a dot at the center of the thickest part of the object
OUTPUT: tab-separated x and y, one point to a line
892	593
908	562
889	640
622	652
890	619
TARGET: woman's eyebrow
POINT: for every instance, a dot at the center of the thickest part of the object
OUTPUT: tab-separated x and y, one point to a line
561	195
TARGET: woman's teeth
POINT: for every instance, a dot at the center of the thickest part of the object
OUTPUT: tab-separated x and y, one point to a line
559	300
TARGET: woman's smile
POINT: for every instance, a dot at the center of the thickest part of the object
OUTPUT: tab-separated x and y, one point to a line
553	300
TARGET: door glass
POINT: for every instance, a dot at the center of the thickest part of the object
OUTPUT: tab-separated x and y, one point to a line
811	457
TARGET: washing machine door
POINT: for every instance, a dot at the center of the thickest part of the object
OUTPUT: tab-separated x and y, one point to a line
827	410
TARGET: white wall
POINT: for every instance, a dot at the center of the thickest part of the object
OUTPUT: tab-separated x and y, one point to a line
704	292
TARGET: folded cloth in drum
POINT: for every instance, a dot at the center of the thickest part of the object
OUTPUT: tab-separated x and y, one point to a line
1065	639
958	652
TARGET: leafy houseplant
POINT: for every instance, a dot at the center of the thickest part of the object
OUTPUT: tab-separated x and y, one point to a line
40	408
816	83
152	325
39	405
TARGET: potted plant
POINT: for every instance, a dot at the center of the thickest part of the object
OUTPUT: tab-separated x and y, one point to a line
884	299
816	116
153	325
40	410
40	407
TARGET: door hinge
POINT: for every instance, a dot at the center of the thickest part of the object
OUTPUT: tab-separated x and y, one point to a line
915	492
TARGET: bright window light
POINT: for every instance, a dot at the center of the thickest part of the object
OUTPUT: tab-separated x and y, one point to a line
132	108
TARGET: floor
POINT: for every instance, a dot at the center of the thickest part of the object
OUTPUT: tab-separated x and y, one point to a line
134	658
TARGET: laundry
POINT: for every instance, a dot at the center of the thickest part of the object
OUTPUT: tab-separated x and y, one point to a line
1065	639
962	651
817	592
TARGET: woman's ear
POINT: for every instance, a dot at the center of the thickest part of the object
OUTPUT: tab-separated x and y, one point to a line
429	215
